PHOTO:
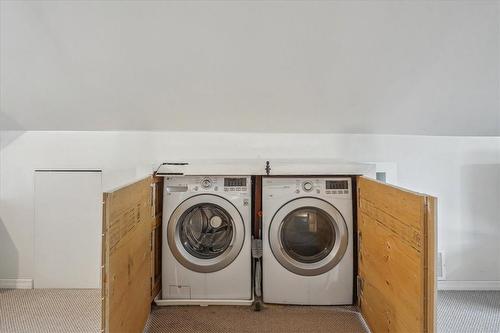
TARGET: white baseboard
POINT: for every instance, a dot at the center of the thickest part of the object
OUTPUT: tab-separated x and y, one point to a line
16	284
468	285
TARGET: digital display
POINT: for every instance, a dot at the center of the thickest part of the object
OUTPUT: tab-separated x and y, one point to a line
337	185
231	182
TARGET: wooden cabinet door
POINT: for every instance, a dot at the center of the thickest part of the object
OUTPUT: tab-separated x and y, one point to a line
128	217
396	241
156	236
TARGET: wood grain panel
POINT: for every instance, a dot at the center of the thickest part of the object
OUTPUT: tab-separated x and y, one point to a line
127	257
156	236
430	282
401	204
380	255
157	200
395	258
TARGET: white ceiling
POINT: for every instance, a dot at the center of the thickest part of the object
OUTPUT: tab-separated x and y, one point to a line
430	68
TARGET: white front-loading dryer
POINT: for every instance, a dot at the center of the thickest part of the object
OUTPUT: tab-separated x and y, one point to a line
206	250
307	240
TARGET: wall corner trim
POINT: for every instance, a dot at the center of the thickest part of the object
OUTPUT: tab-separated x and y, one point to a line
468	285
16	283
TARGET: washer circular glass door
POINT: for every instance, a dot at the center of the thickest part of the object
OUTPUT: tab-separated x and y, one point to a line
308	236
205	233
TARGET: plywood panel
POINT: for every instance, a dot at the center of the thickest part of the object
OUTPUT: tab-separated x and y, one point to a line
157	200
395	260
156	236
127	261
430	277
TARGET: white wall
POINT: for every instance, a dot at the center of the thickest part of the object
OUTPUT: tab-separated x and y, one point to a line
67	204
463	172
389	67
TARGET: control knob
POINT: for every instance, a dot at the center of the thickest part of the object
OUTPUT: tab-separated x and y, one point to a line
206	183
307	186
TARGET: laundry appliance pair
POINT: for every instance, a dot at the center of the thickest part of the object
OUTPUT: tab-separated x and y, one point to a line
307	234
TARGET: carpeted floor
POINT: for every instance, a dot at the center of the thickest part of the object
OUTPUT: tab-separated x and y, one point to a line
56	310
468	312
50	310
273	318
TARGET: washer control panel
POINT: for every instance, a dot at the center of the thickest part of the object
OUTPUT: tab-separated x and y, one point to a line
237	184
208	184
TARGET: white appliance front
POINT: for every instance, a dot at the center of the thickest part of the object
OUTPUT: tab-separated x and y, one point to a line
307	240
207	239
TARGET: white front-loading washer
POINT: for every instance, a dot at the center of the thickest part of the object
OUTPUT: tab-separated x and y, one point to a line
206	250
307	240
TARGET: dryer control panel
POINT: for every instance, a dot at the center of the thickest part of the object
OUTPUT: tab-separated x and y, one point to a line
328	187
337	186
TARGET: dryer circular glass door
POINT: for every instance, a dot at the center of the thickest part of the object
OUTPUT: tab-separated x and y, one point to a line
205	233
308	236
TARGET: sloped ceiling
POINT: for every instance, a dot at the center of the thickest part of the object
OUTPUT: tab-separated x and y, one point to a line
430	68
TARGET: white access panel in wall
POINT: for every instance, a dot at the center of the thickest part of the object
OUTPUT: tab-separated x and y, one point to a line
67	233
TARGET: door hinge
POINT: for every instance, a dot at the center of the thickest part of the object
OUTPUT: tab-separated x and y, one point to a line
359	285
358	197
360	253
153	199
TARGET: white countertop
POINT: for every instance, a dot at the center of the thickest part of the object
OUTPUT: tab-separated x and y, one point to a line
280	167
115	179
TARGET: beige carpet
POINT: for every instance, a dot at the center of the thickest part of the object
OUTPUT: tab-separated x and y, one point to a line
273	318
468	311
79	311
50	310
63	310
